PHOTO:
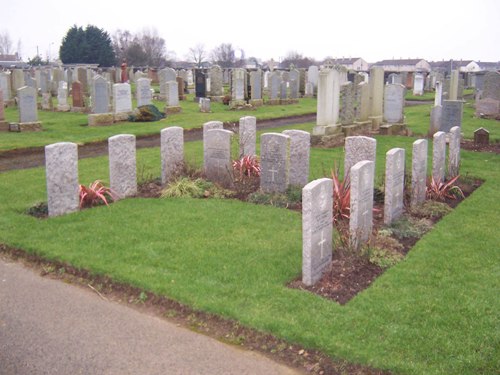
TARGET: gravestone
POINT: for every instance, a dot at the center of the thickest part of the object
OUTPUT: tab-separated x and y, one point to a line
180	88
394	184
4	125
100	101
376	94
347	103
300	144
438	156
238	85
394	103
274	162
481	136
47	101
172	152
62	97
454	152
27	104
435	119
256	85
419	171
361	207
294	89
317	229
247	135
217	156
44	82
438	95
210	125
5	86
30	82
453	88
358	148
283	92
61	171
200	85
489	104
81	76
274	87
451	114
363	107
328	100
312	75
394	78
204	105
122	163
418	84
77	94
122	100
17	77
143	92
172	98
309	93
216	81
166	75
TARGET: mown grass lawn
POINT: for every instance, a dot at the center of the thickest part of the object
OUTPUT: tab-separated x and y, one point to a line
437	312
72	127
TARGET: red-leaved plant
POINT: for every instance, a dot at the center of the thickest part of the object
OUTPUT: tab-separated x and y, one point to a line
341	197
247	166
96	194
441	190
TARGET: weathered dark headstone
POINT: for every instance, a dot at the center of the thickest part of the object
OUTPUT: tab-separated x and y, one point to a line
482	136
200	84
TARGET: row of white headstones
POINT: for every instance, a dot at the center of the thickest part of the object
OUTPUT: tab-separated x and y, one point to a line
284	162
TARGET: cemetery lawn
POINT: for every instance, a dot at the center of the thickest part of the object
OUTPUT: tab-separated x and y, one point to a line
72	127
436	312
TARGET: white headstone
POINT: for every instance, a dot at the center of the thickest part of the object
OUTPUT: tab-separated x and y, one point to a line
419	171
300	145
122	165
143	92
61	170
359	148
317	228
248	135
454	152
394	184
172	152
274	162
28	111
122	98
438	156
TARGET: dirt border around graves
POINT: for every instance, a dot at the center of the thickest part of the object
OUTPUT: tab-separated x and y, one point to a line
23	158
222	329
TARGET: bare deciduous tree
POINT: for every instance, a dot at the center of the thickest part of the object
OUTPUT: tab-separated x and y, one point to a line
5	43
198	55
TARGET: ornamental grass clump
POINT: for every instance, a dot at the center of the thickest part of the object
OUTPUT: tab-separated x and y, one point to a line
441	190
96	194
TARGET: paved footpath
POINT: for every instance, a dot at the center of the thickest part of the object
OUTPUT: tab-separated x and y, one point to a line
49	327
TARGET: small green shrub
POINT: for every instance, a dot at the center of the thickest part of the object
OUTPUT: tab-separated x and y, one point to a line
410	227
431	210
292	198
146	113
382	257
39	210
186	187
183	188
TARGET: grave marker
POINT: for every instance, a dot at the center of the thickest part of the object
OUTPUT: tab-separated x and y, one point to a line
361	208
122	164
394	184
317	229
172	152
300	144
217	156
248	136
358	148
454	152
438	156
274	162
419	171
61	170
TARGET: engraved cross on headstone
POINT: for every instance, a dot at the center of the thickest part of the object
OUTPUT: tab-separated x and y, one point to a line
273	171
321	244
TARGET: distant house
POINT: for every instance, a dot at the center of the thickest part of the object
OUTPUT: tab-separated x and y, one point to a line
12	61
404	65
478	66
355	63
446	66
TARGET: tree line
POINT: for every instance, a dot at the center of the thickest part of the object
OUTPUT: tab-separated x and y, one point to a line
92	45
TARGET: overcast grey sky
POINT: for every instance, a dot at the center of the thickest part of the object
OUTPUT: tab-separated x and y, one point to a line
371	29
